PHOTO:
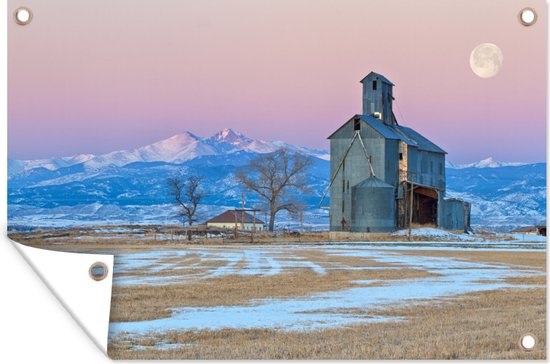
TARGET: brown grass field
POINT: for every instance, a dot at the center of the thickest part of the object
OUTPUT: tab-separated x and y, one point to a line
486	325
138	303
483	325
479	325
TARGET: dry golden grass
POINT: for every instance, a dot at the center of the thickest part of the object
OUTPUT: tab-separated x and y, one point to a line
539	280
485	325
533	260
176	266
527	280
105	237
148	302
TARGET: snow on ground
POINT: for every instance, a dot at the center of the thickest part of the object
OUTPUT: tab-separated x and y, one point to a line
449	236
327	309
436	233
253	261
528	237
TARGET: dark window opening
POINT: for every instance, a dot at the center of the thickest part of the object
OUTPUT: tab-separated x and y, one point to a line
344	186
400	156
357	124
343	205
374	85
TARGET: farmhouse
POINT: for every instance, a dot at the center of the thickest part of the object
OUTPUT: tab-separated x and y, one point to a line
236	218
385	176
531	230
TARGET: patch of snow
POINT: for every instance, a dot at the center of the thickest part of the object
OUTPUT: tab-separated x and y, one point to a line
327	309
435	233
529	237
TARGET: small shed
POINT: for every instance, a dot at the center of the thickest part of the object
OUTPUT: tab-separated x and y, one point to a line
456	214
236	218
531	230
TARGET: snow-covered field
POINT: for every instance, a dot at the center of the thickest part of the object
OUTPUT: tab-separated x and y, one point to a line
452	277
23	217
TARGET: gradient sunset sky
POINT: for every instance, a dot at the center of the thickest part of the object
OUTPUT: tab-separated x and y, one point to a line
104	75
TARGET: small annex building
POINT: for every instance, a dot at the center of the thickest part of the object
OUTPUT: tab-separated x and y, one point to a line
240	219
531	230
385	176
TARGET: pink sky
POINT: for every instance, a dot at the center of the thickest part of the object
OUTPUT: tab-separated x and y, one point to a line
103	75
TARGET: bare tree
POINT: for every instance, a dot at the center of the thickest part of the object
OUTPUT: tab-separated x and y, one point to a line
187	195
297	212
273	176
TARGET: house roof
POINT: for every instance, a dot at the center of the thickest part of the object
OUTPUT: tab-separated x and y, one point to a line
398	132
232	216
379	76
525	229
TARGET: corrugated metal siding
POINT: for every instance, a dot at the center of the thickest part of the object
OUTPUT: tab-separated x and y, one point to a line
373	206
423	164
455	215
391	174
355	169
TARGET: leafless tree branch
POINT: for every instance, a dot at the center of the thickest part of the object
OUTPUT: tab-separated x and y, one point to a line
272	176
187	195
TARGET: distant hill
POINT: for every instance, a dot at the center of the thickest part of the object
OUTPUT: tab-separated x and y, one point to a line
129	186
503	197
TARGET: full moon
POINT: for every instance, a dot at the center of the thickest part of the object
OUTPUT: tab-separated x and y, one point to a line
486	60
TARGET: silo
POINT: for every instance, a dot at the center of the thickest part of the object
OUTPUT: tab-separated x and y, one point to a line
373	206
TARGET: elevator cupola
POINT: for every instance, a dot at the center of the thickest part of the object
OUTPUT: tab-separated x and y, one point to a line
378	98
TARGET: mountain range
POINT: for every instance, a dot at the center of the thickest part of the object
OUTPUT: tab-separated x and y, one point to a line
129	186
176	149
485	163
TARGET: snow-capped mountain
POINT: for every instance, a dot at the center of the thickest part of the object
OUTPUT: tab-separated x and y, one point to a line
485	163
176	149
130	186
502	197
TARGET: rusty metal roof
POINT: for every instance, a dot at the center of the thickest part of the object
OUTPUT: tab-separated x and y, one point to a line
232	216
